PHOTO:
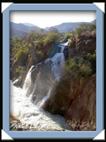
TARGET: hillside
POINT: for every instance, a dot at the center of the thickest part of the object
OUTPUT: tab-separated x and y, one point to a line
75	95
65	27
22	29
68	27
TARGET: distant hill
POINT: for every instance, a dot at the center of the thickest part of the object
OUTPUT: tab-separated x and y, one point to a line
68	27
22	29
29	24
64	27
94	22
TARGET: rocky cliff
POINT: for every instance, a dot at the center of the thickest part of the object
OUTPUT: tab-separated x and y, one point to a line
74	96
63	83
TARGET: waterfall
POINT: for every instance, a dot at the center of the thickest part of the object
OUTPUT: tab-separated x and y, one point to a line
57	65
28	82
37	88
41	77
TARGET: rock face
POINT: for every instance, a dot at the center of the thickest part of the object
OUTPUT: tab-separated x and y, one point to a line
59	91
75	100
86	109
85	43
74	97
83	108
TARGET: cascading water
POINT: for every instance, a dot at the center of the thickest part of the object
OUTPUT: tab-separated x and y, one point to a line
57	65
27	102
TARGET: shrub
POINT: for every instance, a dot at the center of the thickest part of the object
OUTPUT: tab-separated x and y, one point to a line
21	52
71	64
20	70
79	67
51	37
84	28
85	70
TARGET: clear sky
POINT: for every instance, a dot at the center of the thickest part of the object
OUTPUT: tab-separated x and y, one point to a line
47	19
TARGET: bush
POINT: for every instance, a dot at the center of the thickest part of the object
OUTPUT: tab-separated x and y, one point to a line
92	60
21	53
84	28
79	67
71	64
20	70
85	70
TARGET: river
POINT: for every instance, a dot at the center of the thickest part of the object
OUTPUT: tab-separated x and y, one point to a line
26	103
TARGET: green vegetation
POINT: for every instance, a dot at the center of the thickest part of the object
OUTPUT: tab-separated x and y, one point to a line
81	66
35	47
79	69
74	96
31	49
83	42
84	28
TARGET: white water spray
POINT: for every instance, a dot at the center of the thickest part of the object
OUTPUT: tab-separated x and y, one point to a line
37	88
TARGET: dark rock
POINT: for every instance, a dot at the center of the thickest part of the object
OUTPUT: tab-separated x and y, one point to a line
66	53
18	82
